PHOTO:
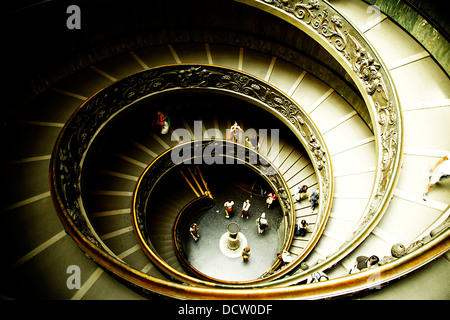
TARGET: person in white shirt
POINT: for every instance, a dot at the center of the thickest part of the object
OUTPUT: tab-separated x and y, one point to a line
228	208
245	208
262	223
439	172
285	257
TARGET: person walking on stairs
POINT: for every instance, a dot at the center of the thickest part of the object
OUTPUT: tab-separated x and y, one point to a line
439	172
313	199
301	231
162	121
285	256
302	193
363	262
233	132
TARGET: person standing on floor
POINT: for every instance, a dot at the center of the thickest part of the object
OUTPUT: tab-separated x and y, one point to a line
271	197
262	223
246	254
245	208
228	208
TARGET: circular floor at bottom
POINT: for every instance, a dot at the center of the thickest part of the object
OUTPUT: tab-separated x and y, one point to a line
206	256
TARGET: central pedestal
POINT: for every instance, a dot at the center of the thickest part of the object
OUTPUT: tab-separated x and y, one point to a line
232	242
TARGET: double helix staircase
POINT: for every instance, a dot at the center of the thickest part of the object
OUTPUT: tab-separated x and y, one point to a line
38	251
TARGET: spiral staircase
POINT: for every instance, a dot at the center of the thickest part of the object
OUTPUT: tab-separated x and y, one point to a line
40	244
